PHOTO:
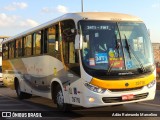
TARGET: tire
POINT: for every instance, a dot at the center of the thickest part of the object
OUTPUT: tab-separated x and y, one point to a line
60	100
21	95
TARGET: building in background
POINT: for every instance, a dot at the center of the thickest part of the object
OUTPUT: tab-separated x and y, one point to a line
156	49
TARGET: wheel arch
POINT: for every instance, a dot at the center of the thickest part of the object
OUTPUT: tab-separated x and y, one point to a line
54	84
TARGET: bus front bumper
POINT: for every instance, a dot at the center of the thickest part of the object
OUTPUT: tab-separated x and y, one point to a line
108	98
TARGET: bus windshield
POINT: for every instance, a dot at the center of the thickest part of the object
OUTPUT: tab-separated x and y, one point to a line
115	46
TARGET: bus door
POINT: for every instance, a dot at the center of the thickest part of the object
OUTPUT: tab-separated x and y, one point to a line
70	57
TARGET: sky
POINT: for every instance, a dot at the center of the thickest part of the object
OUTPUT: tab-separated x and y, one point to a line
17	16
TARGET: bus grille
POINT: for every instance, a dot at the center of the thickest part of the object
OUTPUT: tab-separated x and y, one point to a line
119	99
122	90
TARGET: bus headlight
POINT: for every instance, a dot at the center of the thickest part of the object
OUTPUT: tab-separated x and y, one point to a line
94	88
151	84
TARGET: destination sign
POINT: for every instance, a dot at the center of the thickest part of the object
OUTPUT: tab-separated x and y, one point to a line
93	27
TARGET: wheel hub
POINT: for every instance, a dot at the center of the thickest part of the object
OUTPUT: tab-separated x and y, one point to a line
60	98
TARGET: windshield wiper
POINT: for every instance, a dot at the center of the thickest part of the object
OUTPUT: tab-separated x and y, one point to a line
117	48
117	42
129	48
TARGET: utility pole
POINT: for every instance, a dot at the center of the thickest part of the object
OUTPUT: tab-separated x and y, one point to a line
82	5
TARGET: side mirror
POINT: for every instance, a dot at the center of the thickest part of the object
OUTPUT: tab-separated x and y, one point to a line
78	42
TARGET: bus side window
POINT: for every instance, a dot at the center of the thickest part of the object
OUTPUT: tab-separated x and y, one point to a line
27	45
52	41
11	49
5	51
19	47
37	43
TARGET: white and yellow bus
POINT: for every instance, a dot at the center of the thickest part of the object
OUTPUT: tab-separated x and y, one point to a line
86	59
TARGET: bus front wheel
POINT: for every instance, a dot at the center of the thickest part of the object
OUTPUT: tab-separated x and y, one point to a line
60	100
20	94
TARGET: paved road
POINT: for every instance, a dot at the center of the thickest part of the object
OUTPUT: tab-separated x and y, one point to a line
9	102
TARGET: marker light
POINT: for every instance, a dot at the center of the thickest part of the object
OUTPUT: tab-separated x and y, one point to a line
94	88
91	99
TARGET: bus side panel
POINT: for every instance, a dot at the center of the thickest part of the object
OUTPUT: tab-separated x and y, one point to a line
36	75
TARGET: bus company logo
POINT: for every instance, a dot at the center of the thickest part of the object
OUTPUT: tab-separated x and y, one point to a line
126	84
6	114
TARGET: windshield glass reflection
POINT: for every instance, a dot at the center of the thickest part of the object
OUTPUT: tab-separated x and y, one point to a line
104	45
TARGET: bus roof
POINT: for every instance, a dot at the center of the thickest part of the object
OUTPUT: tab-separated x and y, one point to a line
109	16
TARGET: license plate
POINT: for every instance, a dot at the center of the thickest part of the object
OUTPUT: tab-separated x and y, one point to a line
128	97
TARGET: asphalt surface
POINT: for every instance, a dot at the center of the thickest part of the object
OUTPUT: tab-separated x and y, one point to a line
10	103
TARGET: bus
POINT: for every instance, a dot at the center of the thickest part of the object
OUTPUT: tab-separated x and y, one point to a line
89	59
